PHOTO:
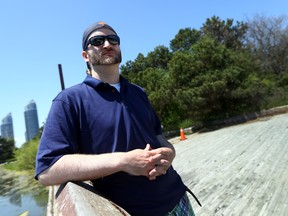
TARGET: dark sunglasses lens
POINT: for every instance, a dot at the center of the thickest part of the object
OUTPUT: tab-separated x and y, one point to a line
97	41
113	39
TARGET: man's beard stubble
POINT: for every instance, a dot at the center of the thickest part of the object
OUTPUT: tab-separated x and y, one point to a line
100	59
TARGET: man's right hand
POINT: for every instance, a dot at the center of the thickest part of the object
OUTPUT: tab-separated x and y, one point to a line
142	162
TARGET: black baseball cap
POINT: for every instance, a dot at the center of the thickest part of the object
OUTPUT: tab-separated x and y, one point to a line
91	29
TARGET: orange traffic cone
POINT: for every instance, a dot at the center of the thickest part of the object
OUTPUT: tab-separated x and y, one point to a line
182	135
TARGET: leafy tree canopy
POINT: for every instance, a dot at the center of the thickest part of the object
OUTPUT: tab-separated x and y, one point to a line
215	72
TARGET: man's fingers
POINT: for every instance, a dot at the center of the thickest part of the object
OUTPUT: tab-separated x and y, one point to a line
156	157
163	163
157	171
148	147
160	159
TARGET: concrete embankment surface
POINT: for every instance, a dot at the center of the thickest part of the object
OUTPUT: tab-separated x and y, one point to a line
237	170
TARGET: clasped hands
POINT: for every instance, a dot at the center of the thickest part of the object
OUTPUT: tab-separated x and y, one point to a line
149	162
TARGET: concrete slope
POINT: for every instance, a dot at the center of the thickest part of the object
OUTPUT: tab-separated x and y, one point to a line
238	170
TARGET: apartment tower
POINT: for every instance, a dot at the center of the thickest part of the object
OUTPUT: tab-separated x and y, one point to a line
31	120
7	127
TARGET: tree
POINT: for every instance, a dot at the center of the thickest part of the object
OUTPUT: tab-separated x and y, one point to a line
225	32
25	156
268	39
159	57
184	39
211	81
130	69
7	147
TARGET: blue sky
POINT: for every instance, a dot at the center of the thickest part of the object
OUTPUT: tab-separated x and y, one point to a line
36	36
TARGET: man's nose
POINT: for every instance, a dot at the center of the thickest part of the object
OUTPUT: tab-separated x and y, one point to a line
106	43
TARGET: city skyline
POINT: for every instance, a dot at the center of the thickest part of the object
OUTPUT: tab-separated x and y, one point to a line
30	120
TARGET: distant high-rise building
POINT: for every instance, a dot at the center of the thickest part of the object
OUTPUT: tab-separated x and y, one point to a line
31	120
7	127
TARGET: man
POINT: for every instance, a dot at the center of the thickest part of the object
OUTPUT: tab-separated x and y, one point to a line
106	131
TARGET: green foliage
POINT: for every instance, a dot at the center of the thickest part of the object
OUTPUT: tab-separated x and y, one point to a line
25	156
159	58
211	74
185	39
186	123
7	147
182	70
131	69
225	32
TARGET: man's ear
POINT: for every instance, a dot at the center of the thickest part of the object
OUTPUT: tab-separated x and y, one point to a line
85	56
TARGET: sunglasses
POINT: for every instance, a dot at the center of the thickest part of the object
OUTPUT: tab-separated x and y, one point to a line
100	39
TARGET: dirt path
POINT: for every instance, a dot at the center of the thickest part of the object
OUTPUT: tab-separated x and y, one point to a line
238	170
